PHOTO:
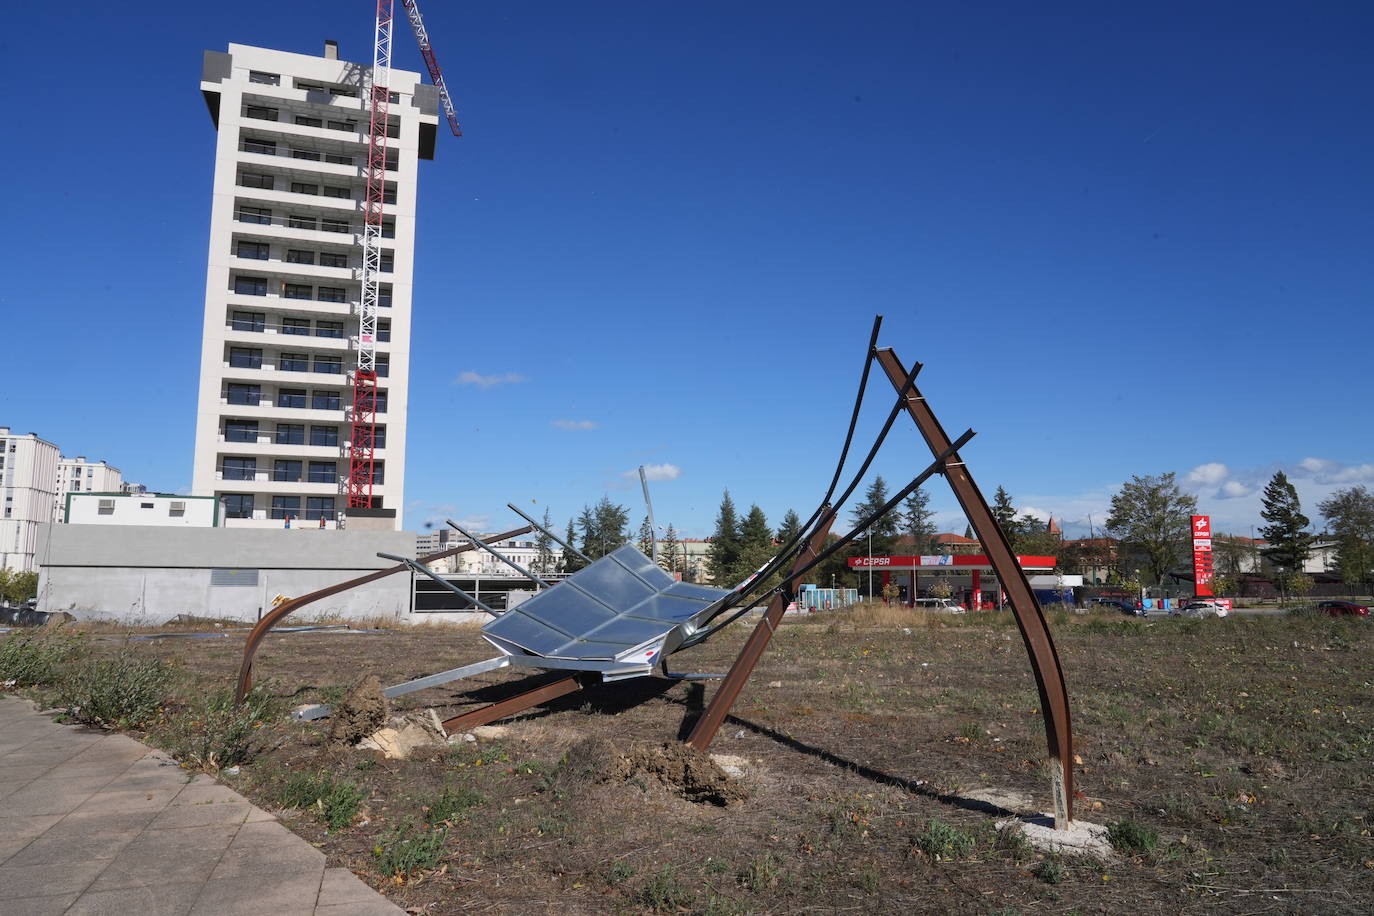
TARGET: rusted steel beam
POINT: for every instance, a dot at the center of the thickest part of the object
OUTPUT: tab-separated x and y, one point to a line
286	608
706	727
1049	675
519	703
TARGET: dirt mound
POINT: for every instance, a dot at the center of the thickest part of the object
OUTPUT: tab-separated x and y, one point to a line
692	774
361	712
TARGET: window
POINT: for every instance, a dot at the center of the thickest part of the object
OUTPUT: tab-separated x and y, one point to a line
309	87
391	159
309	154
387	262
395	98
248	321
324	435
344	125
250	286
389	196
301	222
258	251
345	91
261	215
245	358
384	332
303	121
240	430
341	193
324	400
384	296
378	475
286	470
295	326
238	505
333	294
294	362
333	259
286	506
254	180
300	187
240	468
297	291
330	364
383	368
266	147
259	112
379	439
381	403
319	507
388	229
269	79
334	225
244	394
329	329
338	158
296	256
290	397
324	472
290	434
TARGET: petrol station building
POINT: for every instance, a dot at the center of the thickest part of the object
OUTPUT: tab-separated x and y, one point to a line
969	574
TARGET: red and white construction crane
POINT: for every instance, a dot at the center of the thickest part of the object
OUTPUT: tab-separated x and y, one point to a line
361	464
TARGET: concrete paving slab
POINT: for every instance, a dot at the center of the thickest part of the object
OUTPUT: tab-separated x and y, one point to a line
259	895
204	815
39	906
166	857
139	800
19	881
160	900
83	837
341	887
377	906
18	832
14	778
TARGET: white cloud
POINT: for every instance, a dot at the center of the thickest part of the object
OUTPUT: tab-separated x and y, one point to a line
487	381
1234	489
656	472
574	424
1035	512
1326	471
1207	475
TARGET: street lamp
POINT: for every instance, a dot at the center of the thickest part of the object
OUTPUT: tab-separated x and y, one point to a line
870	564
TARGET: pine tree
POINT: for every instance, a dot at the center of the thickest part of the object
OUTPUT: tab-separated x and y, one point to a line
723	553
1350	513
646	538
918	522
1289	543
543	545
571	561
670	551
884	529
755	544
791	527
1004	512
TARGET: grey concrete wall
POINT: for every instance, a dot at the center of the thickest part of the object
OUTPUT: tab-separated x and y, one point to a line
149	575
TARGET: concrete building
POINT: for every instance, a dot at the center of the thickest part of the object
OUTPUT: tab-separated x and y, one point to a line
282	285
77	475
150	509
28	476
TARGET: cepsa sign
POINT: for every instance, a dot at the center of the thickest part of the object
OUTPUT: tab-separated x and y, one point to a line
1202	555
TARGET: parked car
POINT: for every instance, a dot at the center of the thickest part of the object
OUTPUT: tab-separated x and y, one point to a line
940	604
1342	608
1201	609
1133	608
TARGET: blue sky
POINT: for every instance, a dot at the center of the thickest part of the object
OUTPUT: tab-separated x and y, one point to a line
1122	242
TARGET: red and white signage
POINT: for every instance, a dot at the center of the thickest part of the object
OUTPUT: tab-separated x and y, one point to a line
1202	555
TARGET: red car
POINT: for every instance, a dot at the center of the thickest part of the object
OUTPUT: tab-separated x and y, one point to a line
1340	608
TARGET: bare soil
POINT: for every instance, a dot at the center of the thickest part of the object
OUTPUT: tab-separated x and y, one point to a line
1242	747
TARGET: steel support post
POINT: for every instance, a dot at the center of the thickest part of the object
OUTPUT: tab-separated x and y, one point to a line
1049	675
519	703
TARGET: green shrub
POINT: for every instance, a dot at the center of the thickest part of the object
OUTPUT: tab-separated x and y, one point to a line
214	732
1050	871
452	805
1132	837
762	874
941	841
35	658
404	851
665	893
121	691
334	801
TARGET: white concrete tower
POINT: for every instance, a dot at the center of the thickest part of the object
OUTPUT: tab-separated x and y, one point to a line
282	286
28	474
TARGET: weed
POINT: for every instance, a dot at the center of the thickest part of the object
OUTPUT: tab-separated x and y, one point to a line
970	731
620	872
405	851
367	763
663	892
1132	837
761	874
868	880
215	732
121	691
452	805
35	658
941	841
1051	871
335	801
1014	842
716	866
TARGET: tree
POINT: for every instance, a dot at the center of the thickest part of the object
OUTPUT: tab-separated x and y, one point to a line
543	545
571	561
603	528
1033	538
1289	543
723	553
18	586
755	544
791	527
670	551
1350	515
646	537
884	529
918	522
1004	512
1151	516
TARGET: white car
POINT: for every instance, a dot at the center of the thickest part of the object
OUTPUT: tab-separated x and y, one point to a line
1201	609
940	604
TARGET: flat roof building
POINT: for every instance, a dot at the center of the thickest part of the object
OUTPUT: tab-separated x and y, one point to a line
28	477
283	283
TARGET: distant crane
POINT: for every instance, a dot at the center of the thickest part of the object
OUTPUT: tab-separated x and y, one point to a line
363	436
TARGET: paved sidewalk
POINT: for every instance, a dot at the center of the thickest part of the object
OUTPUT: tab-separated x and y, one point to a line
94	823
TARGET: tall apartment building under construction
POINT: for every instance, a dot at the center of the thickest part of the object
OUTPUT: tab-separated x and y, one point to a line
283	284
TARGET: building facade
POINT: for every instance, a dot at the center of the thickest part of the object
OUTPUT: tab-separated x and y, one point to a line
77	475
158	510
28	476
282	287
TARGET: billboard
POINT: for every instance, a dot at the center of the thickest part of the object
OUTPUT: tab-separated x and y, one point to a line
1202	555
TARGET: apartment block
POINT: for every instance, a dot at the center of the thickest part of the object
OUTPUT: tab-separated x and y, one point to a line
28	476
283	290
77	475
